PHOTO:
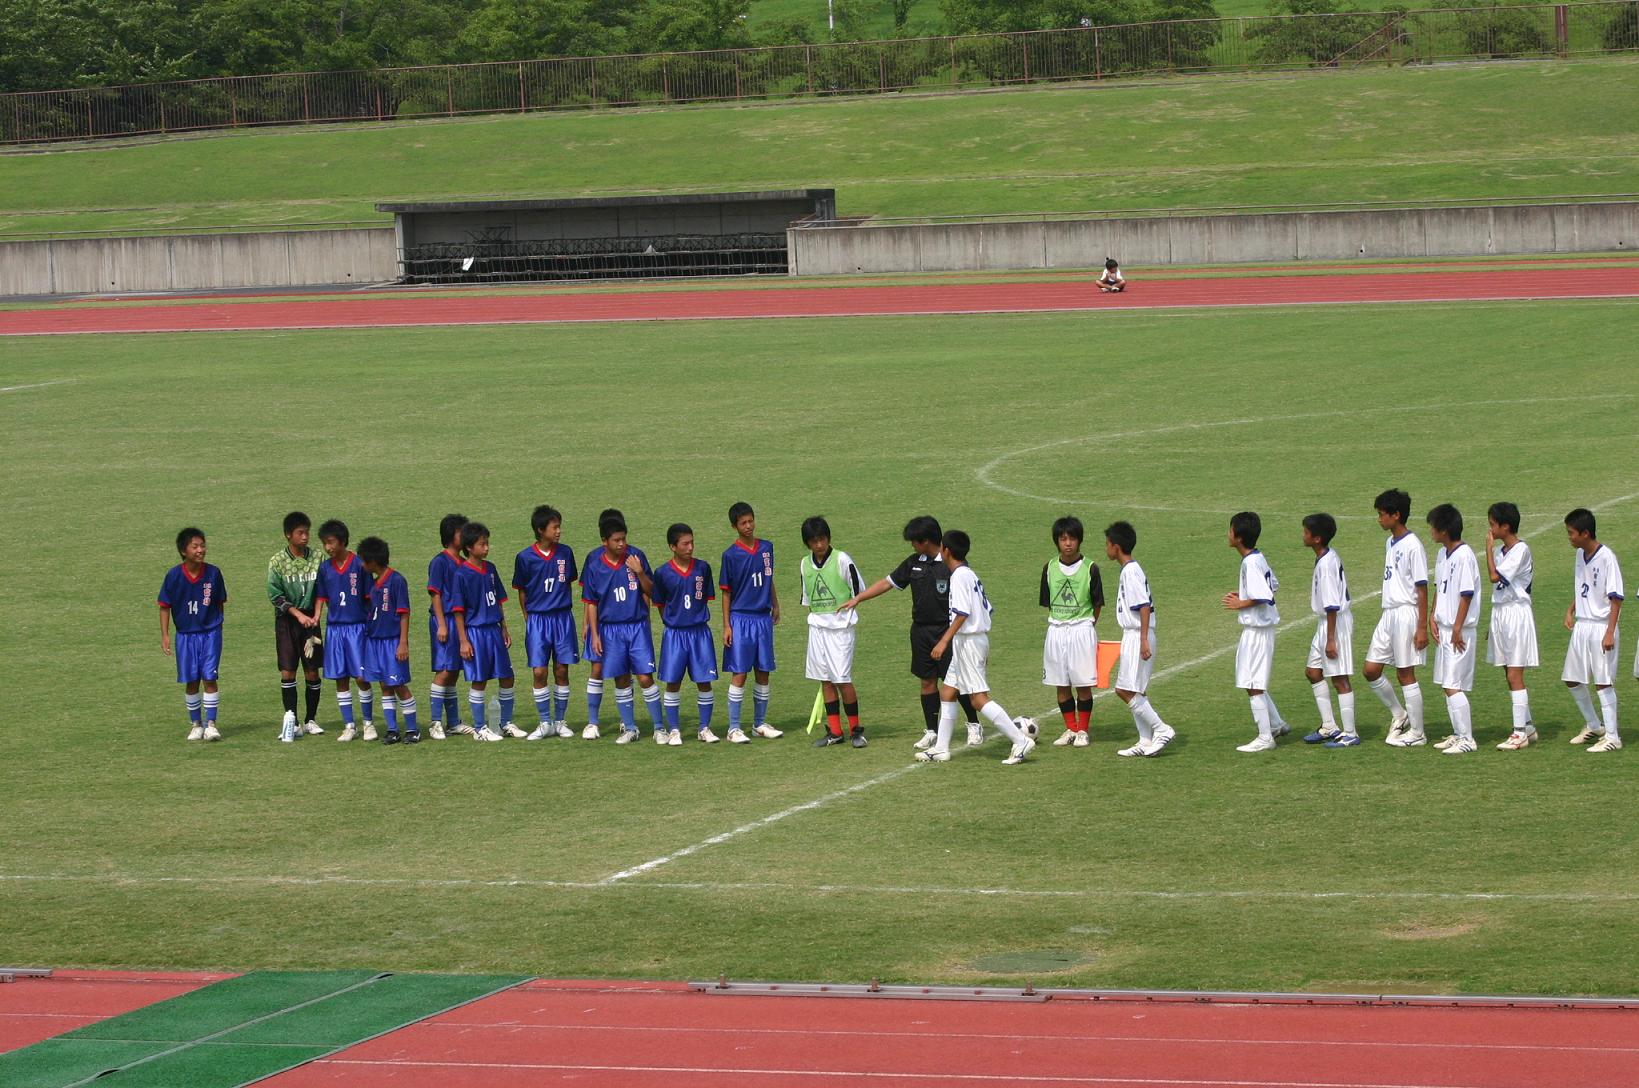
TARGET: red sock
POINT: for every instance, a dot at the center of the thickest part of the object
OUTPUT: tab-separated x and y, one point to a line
1082	718
853	722
833	722
1069	720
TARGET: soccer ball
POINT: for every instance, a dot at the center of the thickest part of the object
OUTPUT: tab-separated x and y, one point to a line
1028	726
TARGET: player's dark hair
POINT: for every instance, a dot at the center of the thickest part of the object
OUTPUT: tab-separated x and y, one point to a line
610	524
1122	535
1110	262
1069	526
1394	501
1247	527
1505	514
923	529
611	513
815	527
373	549
676	531
186	536
334	528
449	530
297	520
1322	526
957	543
542	517
1446	519
738	511
1582	520
471	533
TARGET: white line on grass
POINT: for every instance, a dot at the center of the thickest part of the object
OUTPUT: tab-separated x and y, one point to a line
36	385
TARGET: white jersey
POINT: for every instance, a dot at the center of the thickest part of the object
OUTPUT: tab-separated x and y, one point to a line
1330	590
1598	583
967	598
1132	592
841	618
1405	567
1258	583
1514	575
1457	575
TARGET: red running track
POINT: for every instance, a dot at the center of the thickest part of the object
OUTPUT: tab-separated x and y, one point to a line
657	1036
33	1009
348	311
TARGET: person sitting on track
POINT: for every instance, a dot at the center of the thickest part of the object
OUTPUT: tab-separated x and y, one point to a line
1112	279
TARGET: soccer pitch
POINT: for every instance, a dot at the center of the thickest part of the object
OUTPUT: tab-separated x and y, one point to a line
1368	869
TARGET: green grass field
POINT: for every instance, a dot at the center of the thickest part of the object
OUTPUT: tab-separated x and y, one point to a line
1373	869
1515	130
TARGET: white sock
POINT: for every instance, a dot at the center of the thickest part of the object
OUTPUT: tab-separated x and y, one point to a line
1323	702
1584	703
1522	710
1607	709
995	715
1458	709
1345	711
1141	712
947	725
1413	695
1274	711
1385	691
1260	716
1151	717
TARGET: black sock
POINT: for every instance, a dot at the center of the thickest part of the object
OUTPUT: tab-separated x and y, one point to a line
930	710
1084	706
313	693
1067	706
287	693
967	708
851	712
833	716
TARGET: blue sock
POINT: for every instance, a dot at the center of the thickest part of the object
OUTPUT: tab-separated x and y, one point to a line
560	701
507	698
406	707
475	703
628	712
389	710
452	707
193	703
367	701
651	699
736	700
759	703
210	701
543	704
672	702
706	702
344	700
594	699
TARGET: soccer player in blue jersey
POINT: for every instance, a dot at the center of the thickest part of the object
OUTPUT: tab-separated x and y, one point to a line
193	595
682	590
615	588
751	608
480	623
544	575
446	648
344	595
387	647
589	573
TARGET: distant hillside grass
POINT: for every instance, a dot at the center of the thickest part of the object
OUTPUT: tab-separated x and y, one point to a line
1518	129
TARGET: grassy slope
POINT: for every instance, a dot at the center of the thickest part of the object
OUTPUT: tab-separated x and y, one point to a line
1516	129
102	797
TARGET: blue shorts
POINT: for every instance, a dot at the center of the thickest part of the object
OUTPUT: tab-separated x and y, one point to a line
344	651
549	637
688	650
198	654
628	649
753	647
381	663
490	659
586	648
446	654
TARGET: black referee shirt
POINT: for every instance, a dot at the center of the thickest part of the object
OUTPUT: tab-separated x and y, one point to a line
929	583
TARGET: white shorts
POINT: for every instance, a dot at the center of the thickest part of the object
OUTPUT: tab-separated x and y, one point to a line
969	654
1394	639
831	654
1513	637
1453	669
1133	674
1343	663
1254	658
1586	661
1069	658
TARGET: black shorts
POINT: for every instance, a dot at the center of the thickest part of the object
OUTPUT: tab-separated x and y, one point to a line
923	666
289	636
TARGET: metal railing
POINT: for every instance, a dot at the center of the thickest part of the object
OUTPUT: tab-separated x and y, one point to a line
1342	40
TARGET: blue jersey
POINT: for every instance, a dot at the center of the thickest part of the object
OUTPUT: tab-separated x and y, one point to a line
615	590
681	593
195	603
595	567
544	579
345	589
441	580
748	576
479	594
389	599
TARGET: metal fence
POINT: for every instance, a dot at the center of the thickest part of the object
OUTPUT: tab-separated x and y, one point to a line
848	68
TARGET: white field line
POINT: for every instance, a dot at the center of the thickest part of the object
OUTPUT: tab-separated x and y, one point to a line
36	385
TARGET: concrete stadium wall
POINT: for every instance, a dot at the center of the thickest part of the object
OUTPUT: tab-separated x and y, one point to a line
188	262
1216	239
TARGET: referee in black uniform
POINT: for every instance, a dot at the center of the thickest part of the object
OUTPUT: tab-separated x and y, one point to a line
924	573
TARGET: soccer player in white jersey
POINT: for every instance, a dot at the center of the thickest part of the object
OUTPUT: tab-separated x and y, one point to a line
1254	601
1455	624
1401	636
967	640
1135	614
1331	651
1511	641
1592	619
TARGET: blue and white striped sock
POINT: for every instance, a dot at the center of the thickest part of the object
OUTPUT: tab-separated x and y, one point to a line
759	703
673	704
543	704
651	700
367	701
475	703
736	700
507	699
193	703
560	709
344	702
406	710
705	702
435	699
389	710
594	699
628	712
212	698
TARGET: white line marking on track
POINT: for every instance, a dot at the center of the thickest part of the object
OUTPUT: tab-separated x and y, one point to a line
36	385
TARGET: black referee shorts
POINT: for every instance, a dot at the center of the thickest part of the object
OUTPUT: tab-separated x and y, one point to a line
289	636
923	666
